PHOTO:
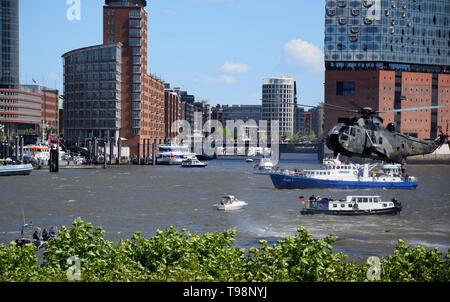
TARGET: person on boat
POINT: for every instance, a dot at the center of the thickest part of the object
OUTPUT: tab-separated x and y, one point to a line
45	235
36	235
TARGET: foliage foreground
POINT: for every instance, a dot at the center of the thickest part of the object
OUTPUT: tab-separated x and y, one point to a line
82	254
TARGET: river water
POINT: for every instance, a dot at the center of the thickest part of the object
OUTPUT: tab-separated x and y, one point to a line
127	199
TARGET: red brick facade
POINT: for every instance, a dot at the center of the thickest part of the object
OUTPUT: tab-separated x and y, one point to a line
147	120
50	109
377	89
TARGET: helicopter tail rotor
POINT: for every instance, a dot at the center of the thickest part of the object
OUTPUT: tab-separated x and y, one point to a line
443	137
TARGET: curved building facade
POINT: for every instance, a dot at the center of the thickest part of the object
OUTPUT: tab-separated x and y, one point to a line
9	44
278	103
92	92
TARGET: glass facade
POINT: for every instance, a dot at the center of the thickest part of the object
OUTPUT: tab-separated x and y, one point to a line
92	92
9	44
388	31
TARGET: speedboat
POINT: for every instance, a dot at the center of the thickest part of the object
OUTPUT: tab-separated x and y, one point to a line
249	160
264	166
8	167
230	202
193	163
351	205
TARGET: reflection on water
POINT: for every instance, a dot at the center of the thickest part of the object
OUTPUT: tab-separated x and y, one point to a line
143	198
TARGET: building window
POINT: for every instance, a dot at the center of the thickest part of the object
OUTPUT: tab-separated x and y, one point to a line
345	88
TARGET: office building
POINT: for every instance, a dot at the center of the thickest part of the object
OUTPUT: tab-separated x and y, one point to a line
278	103
9	44
92	92
135	98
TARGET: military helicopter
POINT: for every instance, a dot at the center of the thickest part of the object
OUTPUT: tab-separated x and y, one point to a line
367	137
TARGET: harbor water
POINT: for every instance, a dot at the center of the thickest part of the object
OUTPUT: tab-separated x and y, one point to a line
126	199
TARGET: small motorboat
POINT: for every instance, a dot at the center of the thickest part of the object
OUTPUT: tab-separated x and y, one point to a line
9	167
33	235
352	205
193	163
230	202
249	160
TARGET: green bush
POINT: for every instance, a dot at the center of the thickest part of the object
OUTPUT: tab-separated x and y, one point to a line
178	255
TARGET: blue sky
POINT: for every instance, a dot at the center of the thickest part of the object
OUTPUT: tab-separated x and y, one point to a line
215	49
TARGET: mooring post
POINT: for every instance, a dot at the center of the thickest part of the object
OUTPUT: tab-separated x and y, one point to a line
21	149
138	153
104	153
154	153
119	151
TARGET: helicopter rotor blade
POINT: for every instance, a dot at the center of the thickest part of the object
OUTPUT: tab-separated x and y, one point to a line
332	107
355	104
412	109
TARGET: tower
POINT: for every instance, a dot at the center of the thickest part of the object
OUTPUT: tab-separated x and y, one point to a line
9	44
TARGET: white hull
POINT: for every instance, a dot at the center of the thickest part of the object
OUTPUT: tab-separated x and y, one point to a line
236	205
16	170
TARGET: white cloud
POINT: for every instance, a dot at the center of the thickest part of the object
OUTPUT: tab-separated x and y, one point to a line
224	79
299	54
234	67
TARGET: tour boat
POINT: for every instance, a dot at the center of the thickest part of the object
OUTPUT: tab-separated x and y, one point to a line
352	205
230	202
193	163
8	167
264	166
336	174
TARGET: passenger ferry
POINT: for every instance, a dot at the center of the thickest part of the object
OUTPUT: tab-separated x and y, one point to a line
336	174
173	154
352	205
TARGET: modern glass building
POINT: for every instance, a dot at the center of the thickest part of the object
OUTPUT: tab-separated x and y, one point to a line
92	92
377	33
9	44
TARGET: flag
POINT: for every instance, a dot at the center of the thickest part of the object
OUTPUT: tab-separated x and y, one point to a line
302	199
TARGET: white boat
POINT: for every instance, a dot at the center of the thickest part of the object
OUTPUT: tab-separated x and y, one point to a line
39	152
264	166
351	205
193	163
173	154
249	160
9	167
336	174
230	202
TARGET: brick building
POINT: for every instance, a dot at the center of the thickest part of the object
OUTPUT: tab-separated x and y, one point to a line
143	101
172	113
